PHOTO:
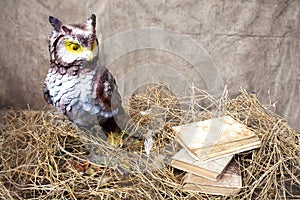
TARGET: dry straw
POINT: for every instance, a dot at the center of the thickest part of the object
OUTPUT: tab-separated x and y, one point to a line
42	154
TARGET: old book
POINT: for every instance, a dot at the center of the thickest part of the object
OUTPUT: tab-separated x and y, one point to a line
215	138
208	169
229	183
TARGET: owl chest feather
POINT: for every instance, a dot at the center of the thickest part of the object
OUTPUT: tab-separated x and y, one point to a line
74	95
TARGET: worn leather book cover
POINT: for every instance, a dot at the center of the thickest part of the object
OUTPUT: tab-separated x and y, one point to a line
208	169
215	138
229	183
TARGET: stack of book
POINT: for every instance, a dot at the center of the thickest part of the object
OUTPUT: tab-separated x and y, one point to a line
208	149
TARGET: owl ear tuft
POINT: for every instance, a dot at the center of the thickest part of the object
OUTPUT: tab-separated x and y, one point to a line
91	22
56	23
66	29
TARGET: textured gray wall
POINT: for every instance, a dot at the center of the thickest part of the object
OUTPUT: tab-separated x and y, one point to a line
255	44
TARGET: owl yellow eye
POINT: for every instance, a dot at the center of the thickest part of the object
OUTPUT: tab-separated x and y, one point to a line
73	47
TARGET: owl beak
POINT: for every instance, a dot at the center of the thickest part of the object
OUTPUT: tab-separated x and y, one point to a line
91	56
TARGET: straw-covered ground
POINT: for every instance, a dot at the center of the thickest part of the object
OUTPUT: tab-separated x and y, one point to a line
43	156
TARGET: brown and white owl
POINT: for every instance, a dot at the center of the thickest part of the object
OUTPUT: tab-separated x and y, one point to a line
75	84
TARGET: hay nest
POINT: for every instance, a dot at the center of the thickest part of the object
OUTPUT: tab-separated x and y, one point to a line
44	156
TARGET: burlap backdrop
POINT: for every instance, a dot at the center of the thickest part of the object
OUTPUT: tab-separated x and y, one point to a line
255	44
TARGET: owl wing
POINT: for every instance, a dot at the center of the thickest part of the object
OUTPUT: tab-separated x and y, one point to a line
47	94
107	96
109	100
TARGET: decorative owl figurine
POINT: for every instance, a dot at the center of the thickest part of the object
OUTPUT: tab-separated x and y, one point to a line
75	84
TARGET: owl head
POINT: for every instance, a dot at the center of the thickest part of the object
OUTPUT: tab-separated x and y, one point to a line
70	44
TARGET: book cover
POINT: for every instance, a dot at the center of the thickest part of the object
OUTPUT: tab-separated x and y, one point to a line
215	138
208	169
229	183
